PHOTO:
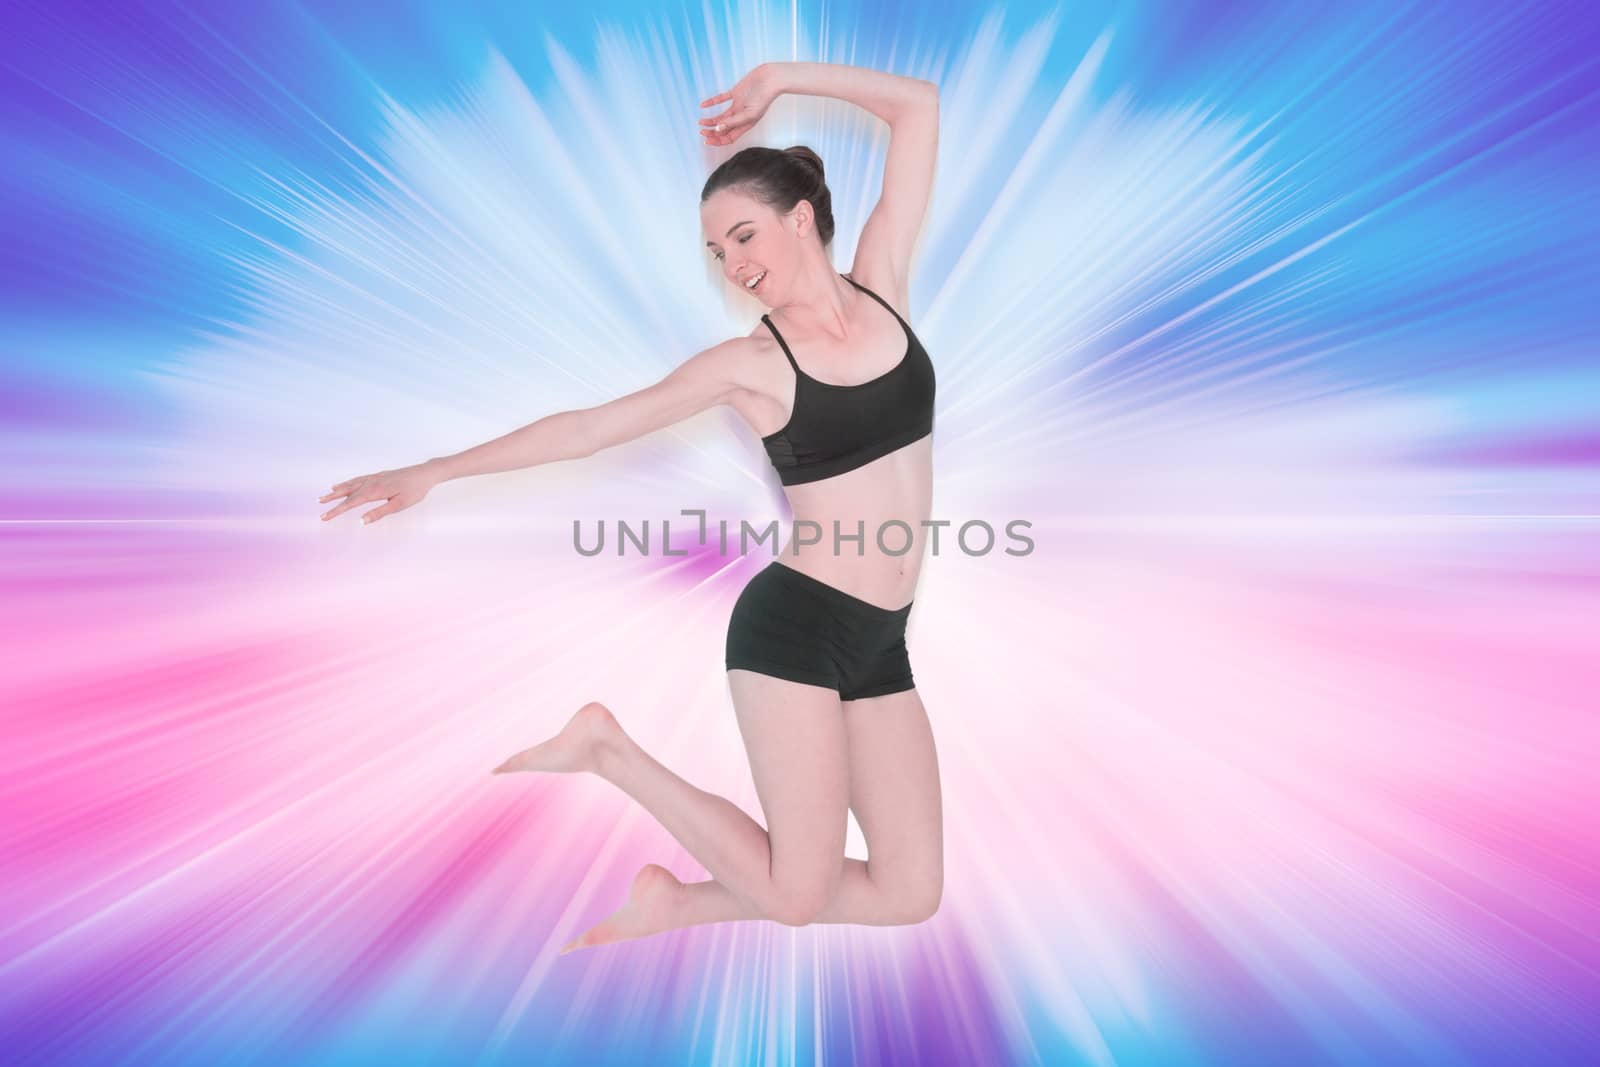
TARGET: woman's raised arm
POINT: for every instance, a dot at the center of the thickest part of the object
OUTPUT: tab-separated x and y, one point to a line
911	108
707	378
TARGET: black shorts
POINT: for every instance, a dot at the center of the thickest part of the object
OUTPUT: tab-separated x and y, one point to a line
790	625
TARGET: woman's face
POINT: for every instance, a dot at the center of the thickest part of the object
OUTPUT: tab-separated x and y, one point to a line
747	240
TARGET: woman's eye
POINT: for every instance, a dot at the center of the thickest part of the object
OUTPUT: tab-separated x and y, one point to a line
742	240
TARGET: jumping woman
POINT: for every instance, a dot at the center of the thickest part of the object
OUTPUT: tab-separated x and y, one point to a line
841	393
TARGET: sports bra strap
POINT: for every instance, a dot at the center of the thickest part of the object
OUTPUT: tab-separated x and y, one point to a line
783	343
876	297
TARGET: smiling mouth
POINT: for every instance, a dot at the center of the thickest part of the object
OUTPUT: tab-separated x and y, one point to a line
760	279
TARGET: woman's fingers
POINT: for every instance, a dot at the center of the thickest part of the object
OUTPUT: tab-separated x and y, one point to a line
377	513
719	98
733	126
392	490
395	504
355	500
366	494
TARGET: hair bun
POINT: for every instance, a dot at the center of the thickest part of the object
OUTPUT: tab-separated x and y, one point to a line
800	151
771	175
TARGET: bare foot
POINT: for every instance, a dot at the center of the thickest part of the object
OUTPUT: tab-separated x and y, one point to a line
578	747
652	900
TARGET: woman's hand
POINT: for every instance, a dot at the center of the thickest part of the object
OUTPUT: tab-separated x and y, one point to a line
748	101
400	488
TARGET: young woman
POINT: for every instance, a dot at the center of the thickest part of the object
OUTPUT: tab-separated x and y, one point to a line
841	393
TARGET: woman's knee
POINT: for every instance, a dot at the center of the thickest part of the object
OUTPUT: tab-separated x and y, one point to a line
916	900
798	903
922	902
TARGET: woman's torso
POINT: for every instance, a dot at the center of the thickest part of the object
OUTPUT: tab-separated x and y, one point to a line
886	372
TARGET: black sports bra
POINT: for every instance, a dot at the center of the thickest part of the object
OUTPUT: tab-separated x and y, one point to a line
837	428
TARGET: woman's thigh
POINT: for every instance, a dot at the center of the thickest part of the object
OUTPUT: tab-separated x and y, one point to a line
894	792
795	737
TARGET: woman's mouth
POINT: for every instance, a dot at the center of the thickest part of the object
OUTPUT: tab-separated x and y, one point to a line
754	284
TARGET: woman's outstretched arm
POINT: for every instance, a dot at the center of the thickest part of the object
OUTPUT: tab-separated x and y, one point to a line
708	378
704	380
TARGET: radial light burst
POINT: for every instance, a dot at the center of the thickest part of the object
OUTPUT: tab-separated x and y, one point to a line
1274	328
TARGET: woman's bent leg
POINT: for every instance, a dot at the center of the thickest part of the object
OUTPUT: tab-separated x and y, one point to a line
794	735
894	791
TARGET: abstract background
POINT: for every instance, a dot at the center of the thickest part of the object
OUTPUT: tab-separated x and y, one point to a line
1278	325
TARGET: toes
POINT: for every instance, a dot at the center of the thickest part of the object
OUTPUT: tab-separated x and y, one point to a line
518	762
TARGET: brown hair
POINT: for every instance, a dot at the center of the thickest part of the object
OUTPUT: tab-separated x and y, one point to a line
779	178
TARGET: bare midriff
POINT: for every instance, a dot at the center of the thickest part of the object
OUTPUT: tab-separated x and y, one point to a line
880	567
